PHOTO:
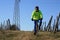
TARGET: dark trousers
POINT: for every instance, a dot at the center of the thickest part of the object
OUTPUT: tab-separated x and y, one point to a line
40	23
35	24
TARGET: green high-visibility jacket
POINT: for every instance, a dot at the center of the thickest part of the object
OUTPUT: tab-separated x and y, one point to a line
36	15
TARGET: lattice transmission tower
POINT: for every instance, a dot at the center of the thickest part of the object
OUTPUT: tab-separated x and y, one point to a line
16	14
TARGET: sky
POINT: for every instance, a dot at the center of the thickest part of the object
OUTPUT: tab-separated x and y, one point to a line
48	7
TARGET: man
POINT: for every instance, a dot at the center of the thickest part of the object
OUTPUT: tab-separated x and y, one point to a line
37	17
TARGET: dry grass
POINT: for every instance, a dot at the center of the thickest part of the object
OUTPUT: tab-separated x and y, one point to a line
25	35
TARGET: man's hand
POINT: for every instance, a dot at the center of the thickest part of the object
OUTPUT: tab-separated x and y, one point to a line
41	19
32	19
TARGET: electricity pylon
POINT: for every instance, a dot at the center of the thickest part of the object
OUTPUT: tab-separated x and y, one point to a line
16	15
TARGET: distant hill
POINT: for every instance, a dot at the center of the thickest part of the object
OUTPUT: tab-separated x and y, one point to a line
28	35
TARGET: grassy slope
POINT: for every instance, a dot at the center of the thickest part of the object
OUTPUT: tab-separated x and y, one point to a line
25	35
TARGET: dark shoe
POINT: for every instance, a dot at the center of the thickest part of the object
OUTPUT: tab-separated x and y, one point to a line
34	33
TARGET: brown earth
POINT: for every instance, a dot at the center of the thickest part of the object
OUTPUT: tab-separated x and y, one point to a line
28	35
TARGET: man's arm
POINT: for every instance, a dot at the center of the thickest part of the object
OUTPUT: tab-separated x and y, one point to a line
32	16
41	15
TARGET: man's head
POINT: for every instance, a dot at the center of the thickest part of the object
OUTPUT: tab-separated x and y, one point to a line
37	8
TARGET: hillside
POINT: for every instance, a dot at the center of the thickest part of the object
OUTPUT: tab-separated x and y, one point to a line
27	35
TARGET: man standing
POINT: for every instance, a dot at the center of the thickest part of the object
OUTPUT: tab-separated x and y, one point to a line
36	17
